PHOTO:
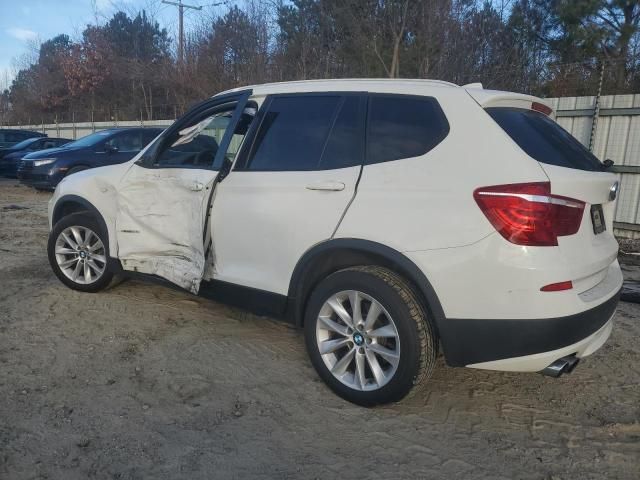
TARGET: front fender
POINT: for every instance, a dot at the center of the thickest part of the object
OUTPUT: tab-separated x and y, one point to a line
96	189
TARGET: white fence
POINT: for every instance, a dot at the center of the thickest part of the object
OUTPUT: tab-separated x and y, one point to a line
79	130
616	136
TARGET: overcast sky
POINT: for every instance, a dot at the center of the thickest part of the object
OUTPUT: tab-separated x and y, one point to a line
24	21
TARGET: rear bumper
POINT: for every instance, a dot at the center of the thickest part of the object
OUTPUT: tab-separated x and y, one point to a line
493	308
503	344
539	361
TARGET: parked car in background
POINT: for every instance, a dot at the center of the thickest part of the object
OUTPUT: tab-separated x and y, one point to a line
388	218
9	136
45	169
10	157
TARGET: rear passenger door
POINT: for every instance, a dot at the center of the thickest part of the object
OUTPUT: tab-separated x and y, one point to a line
292	182
405	197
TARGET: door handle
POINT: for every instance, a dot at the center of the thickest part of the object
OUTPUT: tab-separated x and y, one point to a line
197	186
330	186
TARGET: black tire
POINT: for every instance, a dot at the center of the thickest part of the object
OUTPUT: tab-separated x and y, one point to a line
75	170
87	221
416	335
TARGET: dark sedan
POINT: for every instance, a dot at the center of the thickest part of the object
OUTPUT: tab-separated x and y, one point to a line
10	157
10	136
45	169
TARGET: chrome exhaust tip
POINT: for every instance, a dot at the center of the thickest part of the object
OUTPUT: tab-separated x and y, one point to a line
562	365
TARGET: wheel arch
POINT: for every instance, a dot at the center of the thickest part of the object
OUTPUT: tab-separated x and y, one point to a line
333	255
69	204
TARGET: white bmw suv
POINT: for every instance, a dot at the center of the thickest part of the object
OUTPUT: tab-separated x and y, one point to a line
388	218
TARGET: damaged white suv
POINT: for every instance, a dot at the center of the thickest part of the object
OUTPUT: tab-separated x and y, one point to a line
389	218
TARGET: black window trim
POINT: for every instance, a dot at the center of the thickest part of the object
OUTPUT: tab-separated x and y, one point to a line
249	142
443	116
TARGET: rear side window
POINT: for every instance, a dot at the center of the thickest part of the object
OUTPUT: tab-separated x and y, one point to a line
543	139
402	126
309	132
127	142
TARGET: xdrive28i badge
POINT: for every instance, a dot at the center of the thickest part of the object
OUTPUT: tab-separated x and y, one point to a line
613	191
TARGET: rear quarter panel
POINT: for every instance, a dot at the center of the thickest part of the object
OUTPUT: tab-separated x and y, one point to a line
426	202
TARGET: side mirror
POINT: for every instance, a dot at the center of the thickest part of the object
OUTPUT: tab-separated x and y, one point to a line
608	163
110	148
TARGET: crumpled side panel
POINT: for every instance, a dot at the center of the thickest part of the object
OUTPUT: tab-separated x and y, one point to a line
160	222
179	270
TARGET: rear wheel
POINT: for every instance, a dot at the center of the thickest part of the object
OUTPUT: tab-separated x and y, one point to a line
78	253
368	336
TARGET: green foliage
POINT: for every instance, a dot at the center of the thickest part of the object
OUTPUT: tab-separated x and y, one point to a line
137	38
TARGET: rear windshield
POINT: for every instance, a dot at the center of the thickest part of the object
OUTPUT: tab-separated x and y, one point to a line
543	139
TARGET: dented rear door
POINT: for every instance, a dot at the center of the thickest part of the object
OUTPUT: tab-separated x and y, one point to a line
164	199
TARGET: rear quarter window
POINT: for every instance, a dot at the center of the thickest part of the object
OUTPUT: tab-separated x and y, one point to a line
543	139
403	126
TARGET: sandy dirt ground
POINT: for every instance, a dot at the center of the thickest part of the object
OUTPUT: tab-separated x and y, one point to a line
142	381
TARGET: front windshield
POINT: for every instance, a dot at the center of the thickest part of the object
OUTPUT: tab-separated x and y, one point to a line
89	140
25	143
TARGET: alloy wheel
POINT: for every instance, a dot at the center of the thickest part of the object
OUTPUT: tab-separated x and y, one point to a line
80	254
358	340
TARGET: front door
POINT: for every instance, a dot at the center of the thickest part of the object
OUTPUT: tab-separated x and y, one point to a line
164	197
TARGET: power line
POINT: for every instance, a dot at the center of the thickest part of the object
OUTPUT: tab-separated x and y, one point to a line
216	4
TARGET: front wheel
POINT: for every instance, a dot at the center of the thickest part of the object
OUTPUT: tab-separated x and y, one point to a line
368	335
78	253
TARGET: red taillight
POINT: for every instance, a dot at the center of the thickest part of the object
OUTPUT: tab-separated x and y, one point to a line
541	107
527	213
557	287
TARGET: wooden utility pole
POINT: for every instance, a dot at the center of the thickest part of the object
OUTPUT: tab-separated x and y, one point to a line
181	6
